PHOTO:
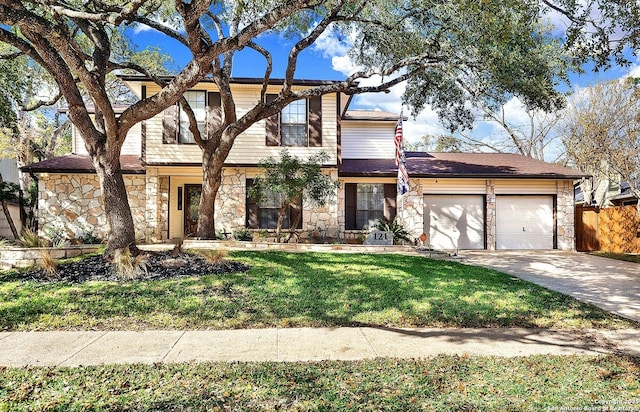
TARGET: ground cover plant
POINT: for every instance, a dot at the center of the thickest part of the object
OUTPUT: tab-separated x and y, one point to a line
619	256
442	383
283	289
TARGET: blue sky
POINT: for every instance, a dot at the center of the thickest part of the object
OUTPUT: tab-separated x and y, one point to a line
327	60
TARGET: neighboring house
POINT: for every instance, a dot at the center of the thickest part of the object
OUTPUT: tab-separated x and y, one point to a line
466	201
609	192
9	171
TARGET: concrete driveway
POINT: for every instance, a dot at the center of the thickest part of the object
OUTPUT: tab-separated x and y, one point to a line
610	284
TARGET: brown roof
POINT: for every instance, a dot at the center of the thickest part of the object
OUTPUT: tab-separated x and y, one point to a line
75	163
493	165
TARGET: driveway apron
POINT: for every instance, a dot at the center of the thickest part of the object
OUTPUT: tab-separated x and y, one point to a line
610	284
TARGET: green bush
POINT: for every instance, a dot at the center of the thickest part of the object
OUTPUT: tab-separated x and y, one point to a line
243	234
399	232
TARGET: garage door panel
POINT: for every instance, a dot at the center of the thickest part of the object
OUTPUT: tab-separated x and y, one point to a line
455	221
524	222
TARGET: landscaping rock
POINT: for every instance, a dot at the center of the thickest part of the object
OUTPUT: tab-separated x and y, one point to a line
155	265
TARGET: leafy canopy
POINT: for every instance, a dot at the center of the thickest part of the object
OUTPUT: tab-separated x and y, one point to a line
295	179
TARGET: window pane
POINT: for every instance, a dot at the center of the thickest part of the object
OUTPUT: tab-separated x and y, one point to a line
268	210
369	204
294	135
197	102
294	124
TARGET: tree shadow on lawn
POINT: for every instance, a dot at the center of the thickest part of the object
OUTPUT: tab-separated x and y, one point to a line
398	290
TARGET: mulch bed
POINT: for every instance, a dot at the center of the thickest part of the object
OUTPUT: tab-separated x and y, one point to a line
156	265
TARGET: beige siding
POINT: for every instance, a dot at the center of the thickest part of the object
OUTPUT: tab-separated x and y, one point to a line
525	187
454	186
132	144
249	147
368	140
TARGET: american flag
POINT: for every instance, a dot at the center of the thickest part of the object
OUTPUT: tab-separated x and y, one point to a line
403	176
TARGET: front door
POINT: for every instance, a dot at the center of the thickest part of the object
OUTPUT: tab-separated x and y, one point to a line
191	205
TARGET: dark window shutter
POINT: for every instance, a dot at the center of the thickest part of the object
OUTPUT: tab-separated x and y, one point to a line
253	213
315	121
350	203
272	126
214	112
170	125
390	201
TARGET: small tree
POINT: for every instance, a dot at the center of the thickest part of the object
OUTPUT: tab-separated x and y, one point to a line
294	180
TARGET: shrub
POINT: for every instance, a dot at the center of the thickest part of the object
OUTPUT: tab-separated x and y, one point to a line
87	236
56	235
48	264
243	234
129	267
213	256
399	232
31	239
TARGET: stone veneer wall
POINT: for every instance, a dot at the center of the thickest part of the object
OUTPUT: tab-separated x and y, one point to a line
410	207
491	215
323	220
230	208
412	210
565	206
74	202
157	207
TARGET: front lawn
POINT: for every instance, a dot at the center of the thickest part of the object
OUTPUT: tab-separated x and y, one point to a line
442	383
301	289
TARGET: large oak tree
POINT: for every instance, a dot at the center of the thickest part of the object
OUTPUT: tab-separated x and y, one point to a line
443	48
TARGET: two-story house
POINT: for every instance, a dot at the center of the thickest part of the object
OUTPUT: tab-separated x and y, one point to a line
459	200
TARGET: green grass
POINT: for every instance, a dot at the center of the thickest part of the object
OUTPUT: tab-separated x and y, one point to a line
301	289
443	383
619	256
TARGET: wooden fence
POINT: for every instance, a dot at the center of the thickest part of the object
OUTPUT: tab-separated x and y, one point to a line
613	229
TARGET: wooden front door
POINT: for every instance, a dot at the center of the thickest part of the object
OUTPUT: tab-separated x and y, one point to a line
191	205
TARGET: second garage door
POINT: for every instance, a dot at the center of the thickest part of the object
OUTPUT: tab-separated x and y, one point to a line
524	222
454	221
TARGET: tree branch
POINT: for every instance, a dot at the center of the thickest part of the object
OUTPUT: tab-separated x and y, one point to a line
38	104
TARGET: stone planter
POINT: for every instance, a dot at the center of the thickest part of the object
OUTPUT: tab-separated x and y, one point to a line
16	257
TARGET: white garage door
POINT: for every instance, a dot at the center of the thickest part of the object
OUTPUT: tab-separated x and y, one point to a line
454	221
524	222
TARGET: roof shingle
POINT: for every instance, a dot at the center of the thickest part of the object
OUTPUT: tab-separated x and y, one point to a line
503	165
75	163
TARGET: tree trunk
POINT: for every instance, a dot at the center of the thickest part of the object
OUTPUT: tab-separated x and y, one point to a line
283	210
116	206
7	213
294	226
211	181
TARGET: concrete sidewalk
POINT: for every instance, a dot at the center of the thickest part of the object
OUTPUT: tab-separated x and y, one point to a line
19	349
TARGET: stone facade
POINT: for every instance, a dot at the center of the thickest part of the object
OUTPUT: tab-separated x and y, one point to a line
323	221
491	215
157	207
565	216
230	208
410	209
74	203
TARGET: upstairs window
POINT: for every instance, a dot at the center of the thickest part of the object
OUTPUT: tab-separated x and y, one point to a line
207	109
293	124
197	101
298	124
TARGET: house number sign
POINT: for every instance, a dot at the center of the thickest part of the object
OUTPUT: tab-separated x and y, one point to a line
378	237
